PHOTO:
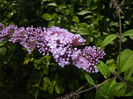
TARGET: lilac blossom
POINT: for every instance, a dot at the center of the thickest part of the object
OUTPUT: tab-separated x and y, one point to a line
87	58
59	43
55	41
8	31
27	37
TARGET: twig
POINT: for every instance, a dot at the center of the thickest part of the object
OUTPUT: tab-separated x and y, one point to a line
72	94
120	29
96	86
118	9
123	80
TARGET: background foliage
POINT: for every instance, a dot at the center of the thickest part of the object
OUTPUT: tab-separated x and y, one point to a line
38	77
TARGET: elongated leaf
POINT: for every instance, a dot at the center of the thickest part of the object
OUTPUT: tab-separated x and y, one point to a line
104	69
128	33
89	79
83	12
108	39
46	84
124	58
52	4
128	64
51	87
124	55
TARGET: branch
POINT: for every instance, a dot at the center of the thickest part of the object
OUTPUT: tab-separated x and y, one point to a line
123	80
75	95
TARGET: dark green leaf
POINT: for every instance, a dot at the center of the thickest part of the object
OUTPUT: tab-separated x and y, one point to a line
51	87
3	51
46	84
58	89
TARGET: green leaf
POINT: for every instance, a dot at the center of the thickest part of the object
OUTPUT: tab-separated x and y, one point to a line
130	93
126	58
131	37
83	12
58	89
120	89
75	19
83	31
104	69
52	4
106	91
89	79
111	85
3	51
108	40
51	87
128	33
47	16
46	84
128	64
124	55
128	75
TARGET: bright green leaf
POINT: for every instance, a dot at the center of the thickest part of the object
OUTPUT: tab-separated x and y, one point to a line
83	12
128	64
125	59
104	69
128	75
52	4
75	19
106	91
83	31
124	55
128	33
47	16
120	89
89	79
108	40
131	37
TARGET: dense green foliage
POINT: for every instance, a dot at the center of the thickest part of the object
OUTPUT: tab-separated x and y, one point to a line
33	76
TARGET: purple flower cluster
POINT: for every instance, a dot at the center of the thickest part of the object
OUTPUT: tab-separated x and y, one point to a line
87	58
4	32
60	43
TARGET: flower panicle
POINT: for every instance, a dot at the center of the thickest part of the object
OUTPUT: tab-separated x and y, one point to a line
58	42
